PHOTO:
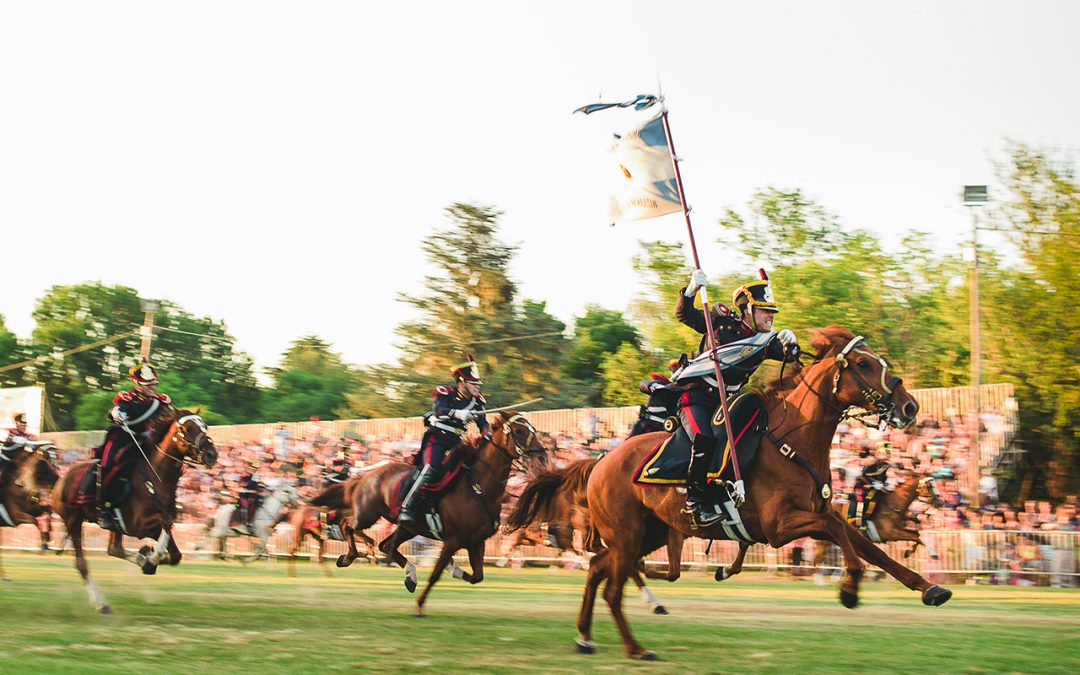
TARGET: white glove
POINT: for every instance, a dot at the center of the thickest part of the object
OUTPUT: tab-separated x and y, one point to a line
697	280
19	440
878	485
118	415
786	338
463	415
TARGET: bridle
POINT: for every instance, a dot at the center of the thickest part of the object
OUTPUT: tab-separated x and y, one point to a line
514	452
879	404
193	451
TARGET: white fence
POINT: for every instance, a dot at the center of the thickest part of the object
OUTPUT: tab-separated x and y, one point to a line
1003	556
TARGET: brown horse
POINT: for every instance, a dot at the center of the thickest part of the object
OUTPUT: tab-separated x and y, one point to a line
26	494
306	522
558	497
469	509
785	497
891	520
177	438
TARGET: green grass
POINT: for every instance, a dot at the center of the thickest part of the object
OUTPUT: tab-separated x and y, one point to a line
221	617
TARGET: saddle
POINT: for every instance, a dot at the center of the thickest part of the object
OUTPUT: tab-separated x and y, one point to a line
669	461
331	520
84	490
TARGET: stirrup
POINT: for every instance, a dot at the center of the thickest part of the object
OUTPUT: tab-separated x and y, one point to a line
701	515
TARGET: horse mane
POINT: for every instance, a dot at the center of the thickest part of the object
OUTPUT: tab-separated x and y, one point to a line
826	341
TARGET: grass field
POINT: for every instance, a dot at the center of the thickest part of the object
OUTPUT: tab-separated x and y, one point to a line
221	617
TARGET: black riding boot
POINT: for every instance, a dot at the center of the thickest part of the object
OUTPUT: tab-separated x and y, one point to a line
416	501
107	519
701	510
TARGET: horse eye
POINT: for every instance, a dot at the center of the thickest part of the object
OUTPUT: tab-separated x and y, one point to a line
864	365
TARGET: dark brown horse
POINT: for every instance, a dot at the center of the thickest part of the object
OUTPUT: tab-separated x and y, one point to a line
786	499
25	497
177	438
306	521
558	497
469	509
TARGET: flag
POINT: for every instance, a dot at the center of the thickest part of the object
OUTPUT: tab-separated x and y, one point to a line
644	186
640	102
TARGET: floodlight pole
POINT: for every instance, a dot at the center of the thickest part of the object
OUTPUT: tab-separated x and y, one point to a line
149	307
975	196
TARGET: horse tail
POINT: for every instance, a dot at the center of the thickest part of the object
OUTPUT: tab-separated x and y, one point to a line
577	478
332	496
536	499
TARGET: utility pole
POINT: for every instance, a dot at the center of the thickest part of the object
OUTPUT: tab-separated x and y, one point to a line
149	307
975	197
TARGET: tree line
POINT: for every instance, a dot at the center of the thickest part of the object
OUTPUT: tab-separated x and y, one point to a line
910	300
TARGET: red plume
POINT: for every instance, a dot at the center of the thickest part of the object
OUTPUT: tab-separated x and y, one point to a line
761	273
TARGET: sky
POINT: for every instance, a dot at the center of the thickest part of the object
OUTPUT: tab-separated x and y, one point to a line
277	165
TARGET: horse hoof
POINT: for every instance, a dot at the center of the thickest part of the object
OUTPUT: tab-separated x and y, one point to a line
935	557
584	646
342	561
410	584
104	609
935	596
849	600
660	609
721	573
149	569
647	655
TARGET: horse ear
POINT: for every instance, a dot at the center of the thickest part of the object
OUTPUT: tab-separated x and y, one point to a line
819	341
198	411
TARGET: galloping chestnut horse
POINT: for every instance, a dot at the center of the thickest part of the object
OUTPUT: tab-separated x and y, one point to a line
305	521
177	438
557	497
469	509
786	499
26	495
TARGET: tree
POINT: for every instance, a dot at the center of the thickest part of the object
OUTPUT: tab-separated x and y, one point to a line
598	334
471	306
622	370
9	354
310	381
189	351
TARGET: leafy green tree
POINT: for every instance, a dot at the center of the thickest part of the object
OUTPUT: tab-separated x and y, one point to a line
10	353
310	381
470	306
622	370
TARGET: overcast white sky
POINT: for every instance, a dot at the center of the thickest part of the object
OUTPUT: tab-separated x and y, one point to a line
299	152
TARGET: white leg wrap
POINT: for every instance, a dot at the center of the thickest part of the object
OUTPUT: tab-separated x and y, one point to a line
455	570
410	570
97	598
648	597
160	550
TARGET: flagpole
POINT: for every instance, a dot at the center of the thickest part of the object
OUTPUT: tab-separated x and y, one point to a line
710	332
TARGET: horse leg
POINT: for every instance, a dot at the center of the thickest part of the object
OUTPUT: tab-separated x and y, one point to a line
723	572
620	566
3	576
116	546
476	561
932	594
599	568
294	545
321	541
820	548
794	525
174	554
445	556
97	598
389	547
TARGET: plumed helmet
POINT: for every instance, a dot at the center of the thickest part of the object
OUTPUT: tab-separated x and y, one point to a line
20	418
467	370
757	293
673	365
144	373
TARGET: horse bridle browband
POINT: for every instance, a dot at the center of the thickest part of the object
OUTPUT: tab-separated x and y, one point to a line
880	404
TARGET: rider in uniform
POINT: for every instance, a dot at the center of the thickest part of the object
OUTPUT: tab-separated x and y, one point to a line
338	471
131	414
700	399
663	402
16	441
872	481
451	412
250	491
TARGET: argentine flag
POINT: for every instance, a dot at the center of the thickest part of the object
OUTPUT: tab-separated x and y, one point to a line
644	185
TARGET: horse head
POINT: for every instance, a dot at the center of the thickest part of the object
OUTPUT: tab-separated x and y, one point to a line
191	438
862	378
34	477
517	438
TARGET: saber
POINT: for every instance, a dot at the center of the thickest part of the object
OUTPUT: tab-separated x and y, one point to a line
740	493
512	407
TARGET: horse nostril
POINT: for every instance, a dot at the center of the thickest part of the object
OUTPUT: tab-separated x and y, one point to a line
910	409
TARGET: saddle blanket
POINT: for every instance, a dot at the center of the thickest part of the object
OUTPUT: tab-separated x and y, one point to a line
669	462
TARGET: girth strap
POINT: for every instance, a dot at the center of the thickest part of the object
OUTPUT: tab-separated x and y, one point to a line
821	488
